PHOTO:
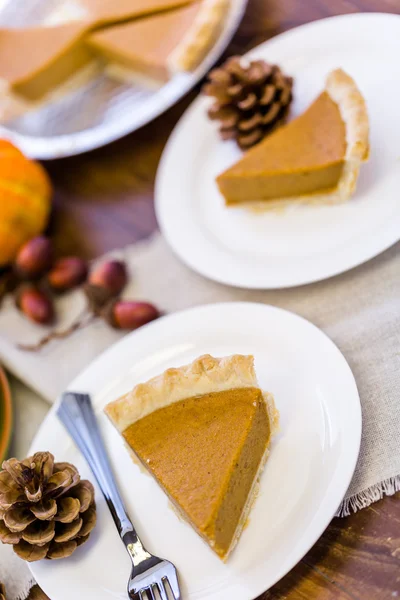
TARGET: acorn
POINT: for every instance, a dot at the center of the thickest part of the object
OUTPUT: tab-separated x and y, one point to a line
34	258
111	275
127	314
35	304
105	283
67	273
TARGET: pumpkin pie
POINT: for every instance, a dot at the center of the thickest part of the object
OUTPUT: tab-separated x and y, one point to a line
203	432
160	45
315	157
35	60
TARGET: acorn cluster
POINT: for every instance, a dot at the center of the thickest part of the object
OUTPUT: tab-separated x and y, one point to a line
36	278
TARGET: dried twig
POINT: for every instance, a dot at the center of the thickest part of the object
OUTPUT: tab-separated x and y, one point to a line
82	321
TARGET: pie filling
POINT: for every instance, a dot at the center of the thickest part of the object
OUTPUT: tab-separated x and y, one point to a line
35	60
285	185
129	65
304	157
146	45
53	74
225	435
111	12
159	46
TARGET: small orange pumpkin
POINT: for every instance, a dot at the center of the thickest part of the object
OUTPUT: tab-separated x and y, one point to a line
25	200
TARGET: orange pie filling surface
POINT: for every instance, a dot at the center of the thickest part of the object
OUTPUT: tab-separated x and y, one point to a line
206	452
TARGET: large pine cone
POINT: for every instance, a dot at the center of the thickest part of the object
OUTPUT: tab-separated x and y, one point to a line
46	510
250	99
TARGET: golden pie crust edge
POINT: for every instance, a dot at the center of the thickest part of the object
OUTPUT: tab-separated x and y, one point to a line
204	375
344	91
200	36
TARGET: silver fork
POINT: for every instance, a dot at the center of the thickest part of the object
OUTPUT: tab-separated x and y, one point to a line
150	574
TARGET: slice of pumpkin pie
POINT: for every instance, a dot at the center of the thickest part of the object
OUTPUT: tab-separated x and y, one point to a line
315	157
203	432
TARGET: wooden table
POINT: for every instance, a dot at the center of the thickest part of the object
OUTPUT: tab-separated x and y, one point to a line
104	199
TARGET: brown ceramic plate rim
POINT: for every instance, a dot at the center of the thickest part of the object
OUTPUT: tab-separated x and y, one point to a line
5	400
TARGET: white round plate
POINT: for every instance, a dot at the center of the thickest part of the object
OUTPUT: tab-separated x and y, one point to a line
310	467
304	243
102	110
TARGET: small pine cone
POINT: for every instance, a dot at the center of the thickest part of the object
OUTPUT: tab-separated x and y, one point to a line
46	510
250	99
36	593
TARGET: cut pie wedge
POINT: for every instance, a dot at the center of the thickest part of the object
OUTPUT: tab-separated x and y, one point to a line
35	60
203	432
316	157
158	46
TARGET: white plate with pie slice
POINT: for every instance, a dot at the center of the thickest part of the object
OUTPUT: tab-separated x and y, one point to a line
310	466
304	243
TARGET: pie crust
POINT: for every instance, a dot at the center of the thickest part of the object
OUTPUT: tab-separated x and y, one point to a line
343	90
200	37
204	375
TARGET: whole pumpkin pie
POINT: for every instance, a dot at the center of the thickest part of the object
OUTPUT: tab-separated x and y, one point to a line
316	157
203	432
157	46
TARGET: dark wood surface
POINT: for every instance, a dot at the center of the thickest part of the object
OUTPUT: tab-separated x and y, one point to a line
104	199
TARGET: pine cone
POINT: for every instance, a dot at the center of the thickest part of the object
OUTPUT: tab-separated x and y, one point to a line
36	593
46	510
250	99
2	591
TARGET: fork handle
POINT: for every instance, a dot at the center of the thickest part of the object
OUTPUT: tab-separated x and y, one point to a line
76	413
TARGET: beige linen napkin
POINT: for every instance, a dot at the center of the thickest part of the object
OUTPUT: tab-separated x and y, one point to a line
359	310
